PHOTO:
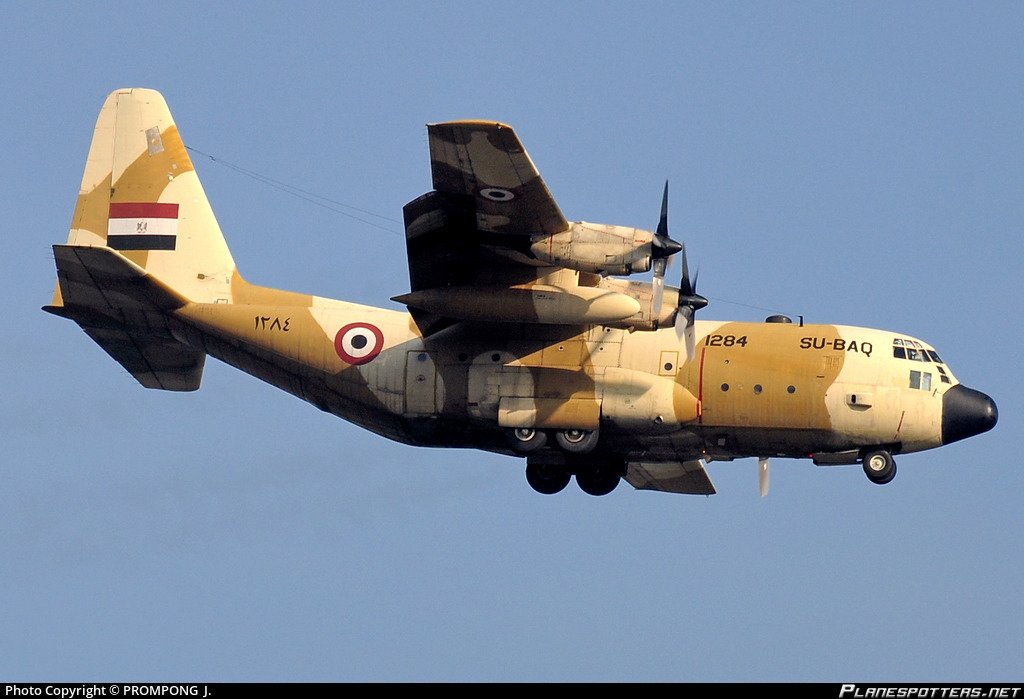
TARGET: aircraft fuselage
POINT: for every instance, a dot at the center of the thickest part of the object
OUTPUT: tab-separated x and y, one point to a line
741	389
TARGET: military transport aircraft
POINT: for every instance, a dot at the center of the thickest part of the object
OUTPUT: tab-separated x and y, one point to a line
522	336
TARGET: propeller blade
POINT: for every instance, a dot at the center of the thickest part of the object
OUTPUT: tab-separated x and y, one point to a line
684	320
689	300
662	231
662	246
685	286
658	284
662	249
763	475
685	331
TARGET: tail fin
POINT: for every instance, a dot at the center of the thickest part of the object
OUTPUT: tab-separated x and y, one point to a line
141	196
143	243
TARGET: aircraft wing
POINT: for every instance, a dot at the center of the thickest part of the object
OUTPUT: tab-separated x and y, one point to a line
485	160
474	229
490	244
686	477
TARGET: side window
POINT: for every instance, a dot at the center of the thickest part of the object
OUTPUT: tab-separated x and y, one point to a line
921	380
899	353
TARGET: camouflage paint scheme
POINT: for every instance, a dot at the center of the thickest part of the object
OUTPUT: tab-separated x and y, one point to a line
514	323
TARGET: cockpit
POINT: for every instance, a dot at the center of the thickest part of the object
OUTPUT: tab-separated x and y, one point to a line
914	351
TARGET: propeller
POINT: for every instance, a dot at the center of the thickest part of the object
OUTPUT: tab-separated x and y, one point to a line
689	300
764	475
689	303
662	249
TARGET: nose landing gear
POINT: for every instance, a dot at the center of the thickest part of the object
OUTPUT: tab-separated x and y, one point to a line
879	466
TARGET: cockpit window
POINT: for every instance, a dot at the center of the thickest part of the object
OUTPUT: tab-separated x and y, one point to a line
905	348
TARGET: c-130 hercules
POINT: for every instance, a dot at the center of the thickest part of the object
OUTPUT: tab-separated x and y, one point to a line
519	337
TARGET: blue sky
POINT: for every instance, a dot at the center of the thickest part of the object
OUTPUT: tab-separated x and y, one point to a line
856	163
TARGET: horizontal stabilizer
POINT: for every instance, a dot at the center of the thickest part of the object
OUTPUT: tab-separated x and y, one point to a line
155	363
686	477
124	310
99	278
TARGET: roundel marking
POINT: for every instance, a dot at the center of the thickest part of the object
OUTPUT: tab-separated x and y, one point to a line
358	343
496	194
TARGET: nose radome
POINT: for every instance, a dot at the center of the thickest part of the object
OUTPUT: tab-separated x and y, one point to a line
965	413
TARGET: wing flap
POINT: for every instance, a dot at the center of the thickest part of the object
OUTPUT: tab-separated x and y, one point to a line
685	477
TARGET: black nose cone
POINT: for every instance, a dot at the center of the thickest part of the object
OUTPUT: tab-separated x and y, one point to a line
965	413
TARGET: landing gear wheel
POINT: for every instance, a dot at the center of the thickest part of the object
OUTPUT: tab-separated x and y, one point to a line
547	479
598	480
526	439
879	466
576	441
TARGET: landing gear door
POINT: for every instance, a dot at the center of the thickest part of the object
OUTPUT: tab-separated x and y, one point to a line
420	383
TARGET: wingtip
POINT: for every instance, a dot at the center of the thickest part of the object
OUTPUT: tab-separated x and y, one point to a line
483	124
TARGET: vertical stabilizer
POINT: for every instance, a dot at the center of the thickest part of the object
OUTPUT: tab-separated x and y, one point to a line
141	197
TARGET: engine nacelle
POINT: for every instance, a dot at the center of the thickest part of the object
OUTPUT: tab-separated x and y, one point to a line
643	292
640	402
597	248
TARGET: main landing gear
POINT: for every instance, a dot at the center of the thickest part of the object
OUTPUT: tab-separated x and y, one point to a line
879	466
526	440
598	479
576	441
547	479
594	479
550	472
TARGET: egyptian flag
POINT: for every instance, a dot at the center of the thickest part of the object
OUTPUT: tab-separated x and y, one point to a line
142	226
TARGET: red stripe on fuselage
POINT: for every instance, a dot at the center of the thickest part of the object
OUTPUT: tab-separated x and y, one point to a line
143	210
700	386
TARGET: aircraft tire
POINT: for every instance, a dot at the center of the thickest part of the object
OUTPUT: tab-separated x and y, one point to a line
526	439
547	479
879	466
577	441
598	480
